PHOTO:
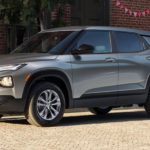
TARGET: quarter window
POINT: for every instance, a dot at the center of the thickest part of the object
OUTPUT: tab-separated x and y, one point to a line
99	41
147	38
128	42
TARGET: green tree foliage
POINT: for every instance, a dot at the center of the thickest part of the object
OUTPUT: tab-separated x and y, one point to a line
29	12
10	11
41	10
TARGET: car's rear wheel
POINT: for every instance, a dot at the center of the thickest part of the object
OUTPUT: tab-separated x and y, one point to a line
100	110
147	106
46	106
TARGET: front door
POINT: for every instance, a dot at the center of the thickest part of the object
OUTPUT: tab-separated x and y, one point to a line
95	71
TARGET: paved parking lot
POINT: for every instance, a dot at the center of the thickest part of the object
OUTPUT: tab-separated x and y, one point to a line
121	130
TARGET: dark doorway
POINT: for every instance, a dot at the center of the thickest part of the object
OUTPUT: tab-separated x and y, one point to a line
90	12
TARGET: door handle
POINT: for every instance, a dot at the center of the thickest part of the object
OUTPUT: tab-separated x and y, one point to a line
110	59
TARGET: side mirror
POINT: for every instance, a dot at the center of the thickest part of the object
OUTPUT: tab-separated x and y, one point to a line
83	49
75	52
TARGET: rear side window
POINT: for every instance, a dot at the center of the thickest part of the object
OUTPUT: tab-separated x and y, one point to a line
127	42
147	38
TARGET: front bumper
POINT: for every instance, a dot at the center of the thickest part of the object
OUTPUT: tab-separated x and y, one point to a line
10	105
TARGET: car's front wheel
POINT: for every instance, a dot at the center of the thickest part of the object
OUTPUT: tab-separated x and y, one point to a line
46	106
100	110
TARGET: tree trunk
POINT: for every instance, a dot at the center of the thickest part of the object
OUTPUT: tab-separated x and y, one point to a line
41	24
45	20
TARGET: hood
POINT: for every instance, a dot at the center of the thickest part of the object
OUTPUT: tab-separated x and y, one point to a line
25	57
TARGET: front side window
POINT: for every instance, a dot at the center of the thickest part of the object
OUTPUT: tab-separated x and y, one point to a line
99	41
127	42
51	42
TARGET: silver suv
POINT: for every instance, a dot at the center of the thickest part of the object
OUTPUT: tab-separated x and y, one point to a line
95	67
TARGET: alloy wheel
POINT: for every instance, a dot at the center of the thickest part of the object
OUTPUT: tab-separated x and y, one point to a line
48	105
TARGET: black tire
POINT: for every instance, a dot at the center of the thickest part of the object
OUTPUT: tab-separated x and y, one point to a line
1	116
33	116
141	105
100	111
147	107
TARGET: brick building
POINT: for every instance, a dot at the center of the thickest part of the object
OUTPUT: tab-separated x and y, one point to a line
118	17
122	13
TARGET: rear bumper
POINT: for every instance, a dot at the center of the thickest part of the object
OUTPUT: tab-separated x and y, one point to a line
10	105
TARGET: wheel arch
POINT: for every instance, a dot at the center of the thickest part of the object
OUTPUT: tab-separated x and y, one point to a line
147	88
54	76
148	83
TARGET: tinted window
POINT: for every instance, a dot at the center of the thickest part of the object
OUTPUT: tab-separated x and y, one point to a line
147	38
128	42
99	40
51	42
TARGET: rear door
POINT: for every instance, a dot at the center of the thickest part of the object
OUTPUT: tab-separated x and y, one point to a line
133	67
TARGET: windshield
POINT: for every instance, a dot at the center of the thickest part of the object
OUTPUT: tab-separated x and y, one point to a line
49	42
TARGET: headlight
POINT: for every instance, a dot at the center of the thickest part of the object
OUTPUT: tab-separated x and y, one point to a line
11	67
6	81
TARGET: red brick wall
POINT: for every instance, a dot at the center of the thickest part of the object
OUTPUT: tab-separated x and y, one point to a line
66	15
3	39
119	18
